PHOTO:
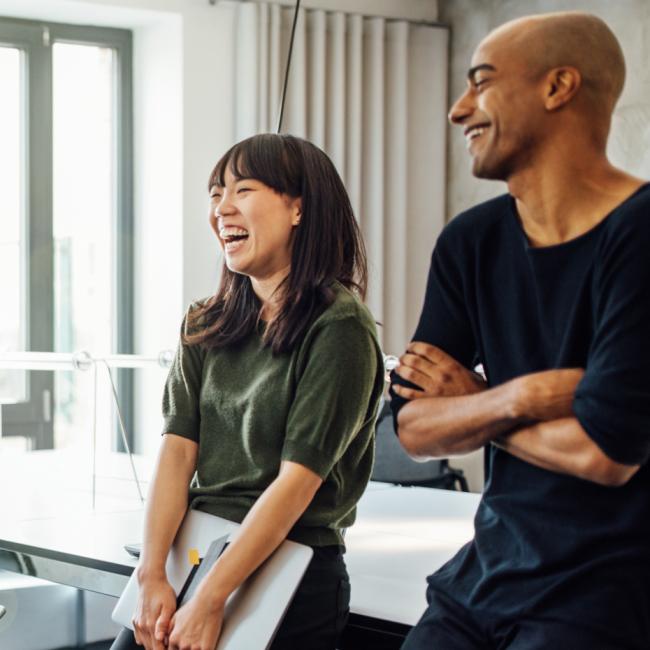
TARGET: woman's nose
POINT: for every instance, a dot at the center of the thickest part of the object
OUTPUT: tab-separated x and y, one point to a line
224	206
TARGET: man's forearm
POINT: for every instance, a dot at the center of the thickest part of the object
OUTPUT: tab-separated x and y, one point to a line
446	426
563	446
433	427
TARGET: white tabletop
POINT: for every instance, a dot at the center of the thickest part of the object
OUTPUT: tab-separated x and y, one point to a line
43	484
401	534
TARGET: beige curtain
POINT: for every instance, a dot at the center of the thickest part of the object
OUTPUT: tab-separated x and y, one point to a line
373	94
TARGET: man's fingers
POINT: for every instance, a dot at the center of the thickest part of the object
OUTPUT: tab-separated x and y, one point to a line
415	361
430	352
408	393
414	376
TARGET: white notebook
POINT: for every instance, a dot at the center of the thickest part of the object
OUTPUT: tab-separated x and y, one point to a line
254	611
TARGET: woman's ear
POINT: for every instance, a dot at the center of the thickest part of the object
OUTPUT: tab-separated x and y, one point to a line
561	86
296	206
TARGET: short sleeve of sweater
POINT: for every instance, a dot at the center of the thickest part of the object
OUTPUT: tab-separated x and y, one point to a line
612	402
338	377
444	320
181	394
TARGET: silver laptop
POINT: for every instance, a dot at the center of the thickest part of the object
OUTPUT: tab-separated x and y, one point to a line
254	611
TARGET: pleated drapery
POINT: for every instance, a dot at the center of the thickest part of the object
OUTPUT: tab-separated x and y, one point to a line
372	93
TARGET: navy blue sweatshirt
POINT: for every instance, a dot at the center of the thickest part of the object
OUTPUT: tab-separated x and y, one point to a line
548	544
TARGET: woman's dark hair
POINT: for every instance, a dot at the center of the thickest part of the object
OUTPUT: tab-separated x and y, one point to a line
327	246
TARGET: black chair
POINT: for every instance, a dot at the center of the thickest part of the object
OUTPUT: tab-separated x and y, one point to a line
394	465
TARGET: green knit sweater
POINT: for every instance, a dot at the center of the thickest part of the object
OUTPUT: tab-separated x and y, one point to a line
249	409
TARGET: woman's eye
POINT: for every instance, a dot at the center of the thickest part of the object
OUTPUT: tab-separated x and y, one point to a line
243	189
215	197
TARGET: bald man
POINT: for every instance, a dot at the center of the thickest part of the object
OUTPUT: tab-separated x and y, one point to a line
548	287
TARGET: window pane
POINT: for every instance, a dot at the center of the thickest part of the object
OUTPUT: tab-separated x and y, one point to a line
83	224
12	184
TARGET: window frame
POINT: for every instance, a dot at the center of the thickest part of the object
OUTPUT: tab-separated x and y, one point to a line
35	40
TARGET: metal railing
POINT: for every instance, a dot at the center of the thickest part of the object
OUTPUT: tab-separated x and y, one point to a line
84	362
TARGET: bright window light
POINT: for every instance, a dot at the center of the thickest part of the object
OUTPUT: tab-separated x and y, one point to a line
83	224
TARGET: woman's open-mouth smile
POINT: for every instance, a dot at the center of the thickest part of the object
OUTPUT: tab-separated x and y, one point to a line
233	238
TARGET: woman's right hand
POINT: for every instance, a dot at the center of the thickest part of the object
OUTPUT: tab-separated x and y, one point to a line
153	612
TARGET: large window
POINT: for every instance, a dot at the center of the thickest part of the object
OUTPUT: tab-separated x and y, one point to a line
12	241
66	232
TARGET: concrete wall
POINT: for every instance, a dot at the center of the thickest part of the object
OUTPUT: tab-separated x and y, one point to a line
470	21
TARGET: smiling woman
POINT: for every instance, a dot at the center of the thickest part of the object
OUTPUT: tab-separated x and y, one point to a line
254	224
287	228
271	399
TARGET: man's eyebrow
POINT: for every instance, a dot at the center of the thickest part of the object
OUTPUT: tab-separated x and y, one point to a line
477	68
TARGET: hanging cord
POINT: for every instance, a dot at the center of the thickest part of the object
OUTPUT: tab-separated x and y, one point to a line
286	72
122	428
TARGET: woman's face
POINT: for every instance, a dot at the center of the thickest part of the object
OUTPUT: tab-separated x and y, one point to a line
254	225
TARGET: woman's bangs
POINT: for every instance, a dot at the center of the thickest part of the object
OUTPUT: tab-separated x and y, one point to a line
237	160
261	157
242	164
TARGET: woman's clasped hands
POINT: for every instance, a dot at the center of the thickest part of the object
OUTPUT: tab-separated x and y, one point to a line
158	625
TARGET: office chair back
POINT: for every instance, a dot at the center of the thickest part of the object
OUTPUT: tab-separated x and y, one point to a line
394	465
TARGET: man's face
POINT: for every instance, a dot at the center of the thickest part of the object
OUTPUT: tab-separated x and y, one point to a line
501	111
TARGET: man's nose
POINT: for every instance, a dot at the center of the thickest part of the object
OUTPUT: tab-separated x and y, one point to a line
462	108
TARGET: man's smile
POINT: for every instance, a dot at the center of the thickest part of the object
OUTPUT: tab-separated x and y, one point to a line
474	132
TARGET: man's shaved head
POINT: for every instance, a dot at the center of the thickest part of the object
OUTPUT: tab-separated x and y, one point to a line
575	39
538	85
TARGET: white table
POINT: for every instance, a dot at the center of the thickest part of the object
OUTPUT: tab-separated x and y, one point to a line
401	535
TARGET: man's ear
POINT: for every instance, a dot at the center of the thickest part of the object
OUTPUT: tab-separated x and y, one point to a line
561	85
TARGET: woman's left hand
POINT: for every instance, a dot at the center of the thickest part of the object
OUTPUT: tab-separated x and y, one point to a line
196	625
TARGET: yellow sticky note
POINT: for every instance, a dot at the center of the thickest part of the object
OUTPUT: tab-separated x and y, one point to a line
193	554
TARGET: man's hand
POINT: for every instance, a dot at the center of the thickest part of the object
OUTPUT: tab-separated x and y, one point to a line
546	395
197	624
154	610
436	373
